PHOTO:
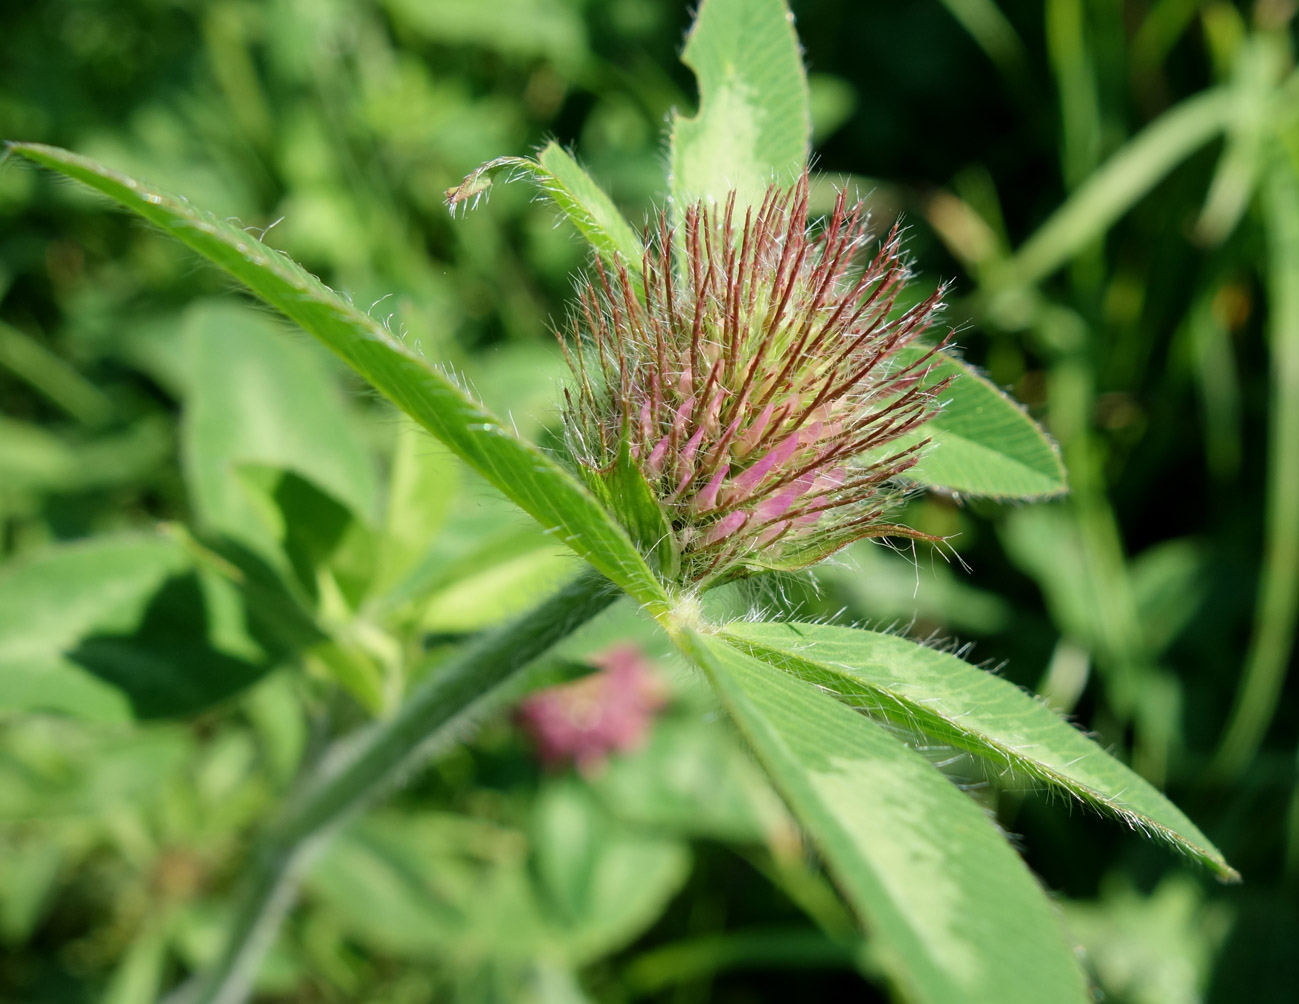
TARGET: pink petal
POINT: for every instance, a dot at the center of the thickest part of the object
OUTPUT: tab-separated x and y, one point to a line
707	498
724	527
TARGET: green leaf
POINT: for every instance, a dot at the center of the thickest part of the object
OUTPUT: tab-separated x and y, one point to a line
61	770
576	887
114	628
256	398
525	475
575	192
491	584
320	537
754	123
30	870
907	684
693	779
423	483
952	910
599	881
982	441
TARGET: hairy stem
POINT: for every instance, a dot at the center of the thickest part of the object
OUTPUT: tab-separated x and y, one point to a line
359	768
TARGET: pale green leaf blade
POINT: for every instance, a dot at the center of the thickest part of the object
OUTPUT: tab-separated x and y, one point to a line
525	475
754	123
574	192
982	441
954	913
972	710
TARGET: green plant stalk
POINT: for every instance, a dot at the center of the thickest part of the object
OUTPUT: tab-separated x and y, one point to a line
1277	607
358	769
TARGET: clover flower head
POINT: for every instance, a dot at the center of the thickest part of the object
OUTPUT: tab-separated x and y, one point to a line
755	383
609	711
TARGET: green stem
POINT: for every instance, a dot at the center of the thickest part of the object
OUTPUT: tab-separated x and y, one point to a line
1277	608
358	769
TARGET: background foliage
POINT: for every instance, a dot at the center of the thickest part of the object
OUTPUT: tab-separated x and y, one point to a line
137	391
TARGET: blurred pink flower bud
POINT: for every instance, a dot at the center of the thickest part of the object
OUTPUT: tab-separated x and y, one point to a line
609	711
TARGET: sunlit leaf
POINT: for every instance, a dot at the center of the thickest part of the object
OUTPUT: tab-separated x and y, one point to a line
953	912
982	441
754	122
910	685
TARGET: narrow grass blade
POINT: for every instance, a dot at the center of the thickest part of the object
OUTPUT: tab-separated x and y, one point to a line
1272	645
1113	189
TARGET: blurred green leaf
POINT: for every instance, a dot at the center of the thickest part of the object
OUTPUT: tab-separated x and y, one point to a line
36	458
422	485
1170	583
256	397
952	910
521	28
112	628
140	972
1152	949
692	778
693	959
55	769
754	123
525	475
324	542
29	873
892	586
601	880
831	103
467	891
912	686
498	580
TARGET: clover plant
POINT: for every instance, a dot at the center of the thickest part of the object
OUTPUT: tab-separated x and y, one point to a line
753	387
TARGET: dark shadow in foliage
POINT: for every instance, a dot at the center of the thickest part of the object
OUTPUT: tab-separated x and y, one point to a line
165	666
1260	953
275	611
310	542
316	530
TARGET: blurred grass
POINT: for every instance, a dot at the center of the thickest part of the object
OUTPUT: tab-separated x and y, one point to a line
1112	187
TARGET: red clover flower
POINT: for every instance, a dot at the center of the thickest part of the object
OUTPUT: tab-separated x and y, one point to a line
609	711
736	407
